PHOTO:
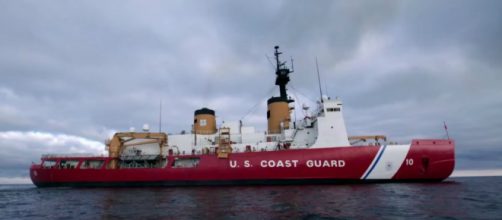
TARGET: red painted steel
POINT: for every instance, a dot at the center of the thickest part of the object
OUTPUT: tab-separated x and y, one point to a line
433	159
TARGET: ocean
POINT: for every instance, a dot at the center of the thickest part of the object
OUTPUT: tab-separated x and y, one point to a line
455	198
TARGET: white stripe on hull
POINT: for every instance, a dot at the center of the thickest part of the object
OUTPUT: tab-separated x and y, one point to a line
372	164
387	162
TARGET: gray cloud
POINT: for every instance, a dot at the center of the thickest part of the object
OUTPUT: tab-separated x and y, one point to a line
31	145
87	69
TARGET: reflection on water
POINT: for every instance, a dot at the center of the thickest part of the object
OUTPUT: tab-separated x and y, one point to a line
457	198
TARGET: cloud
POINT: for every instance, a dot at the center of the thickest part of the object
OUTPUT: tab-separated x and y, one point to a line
87	69
19	148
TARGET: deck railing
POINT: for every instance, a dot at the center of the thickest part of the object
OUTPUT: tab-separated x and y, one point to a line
46	156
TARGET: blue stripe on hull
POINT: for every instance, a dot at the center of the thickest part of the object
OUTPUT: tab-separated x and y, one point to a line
376	162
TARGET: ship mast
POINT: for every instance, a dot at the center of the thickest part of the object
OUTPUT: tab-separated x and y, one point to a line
282	73
278	110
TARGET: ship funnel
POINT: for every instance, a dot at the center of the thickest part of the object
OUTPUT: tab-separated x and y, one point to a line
204	121
277	114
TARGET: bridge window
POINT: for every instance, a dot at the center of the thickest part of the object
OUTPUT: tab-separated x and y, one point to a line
333	109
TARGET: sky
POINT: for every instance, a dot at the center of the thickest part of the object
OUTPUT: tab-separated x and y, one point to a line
74	72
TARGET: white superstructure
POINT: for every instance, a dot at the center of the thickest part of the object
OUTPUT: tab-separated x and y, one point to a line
325	128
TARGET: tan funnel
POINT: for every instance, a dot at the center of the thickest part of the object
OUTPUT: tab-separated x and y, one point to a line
277	114
204	121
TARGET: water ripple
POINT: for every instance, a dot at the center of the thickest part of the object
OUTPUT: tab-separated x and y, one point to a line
458	198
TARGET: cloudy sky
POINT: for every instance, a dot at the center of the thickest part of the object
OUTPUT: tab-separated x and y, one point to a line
72	73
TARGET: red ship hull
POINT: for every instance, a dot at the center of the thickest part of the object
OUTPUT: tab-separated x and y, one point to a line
424	160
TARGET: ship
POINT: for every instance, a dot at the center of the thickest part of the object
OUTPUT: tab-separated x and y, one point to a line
315	149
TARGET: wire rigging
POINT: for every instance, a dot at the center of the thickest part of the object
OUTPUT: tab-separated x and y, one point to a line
252	109
306	96
270	61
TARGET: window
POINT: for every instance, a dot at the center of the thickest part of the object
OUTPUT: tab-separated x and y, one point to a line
185	162
152	162
68	164
203	122
333	109
49	164
92	164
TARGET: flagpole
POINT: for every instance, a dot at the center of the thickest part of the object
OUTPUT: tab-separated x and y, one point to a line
446	130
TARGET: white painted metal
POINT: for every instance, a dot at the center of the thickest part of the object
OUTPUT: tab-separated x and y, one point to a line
323	128
388	162
331	129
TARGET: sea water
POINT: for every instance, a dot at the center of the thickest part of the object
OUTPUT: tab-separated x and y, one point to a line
455	198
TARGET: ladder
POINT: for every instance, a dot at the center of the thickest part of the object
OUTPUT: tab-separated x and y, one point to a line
224	144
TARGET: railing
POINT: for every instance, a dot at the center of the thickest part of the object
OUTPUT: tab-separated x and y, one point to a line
47	156
140	157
